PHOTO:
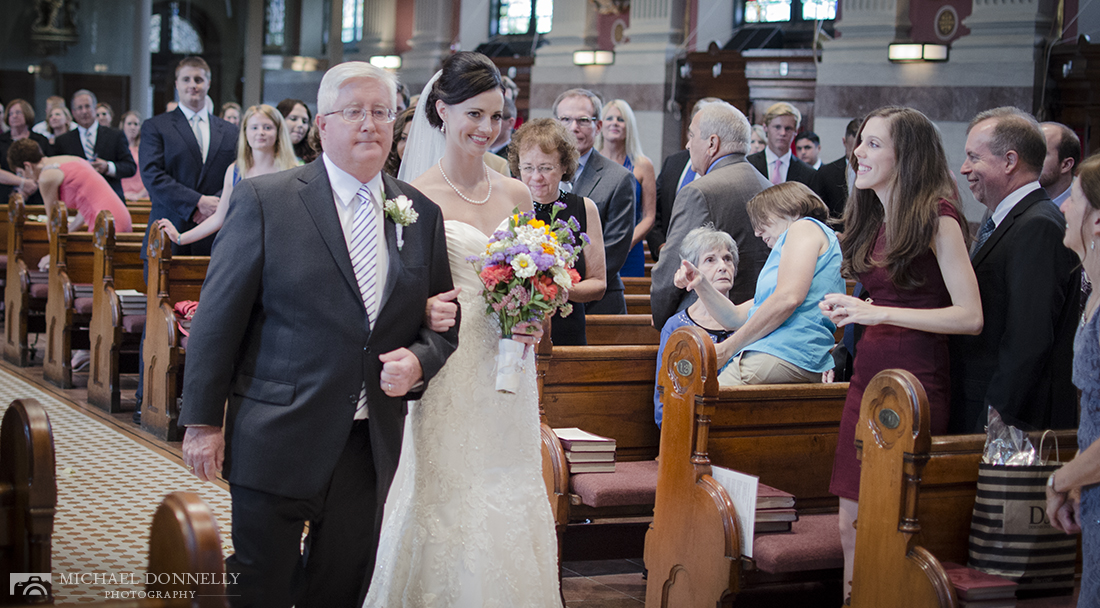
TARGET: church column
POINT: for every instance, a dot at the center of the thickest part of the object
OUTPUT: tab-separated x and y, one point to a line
379	17
431	42
335	31
141	79
253	54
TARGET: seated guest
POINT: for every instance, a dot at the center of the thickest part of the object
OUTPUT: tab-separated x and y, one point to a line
759	139
713	253
620	141
263	147
18	117
72	180
132	187
808	147
297	117
781	337
104	114
542	154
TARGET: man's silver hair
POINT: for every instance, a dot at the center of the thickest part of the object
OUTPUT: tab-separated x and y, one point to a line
594	99
728	123
85	92
335	78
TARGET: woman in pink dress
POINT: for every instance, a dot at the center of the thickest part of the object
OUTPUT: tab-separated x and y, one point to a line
133	187
71	180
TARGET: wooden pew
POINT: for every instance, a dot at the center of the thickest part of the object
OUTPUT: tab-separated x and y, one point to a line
28	242
171	279
762	446
636	285
72	257
117	265
604	330
28	488
638	304
139	213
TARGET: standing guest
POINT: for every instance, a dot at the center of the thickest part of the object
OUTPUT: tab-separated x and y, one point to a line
620	142
781	337
608	184
808	146
263	148
132	187
18	117
231	113
70	180
104	147
776	162
43	127
60	121
837	176
1063	156
104	114
717	139
544	156
507	127
905	240
308	335
759	139
1071	506
298	119
184	155
401	128
1030	283
676	172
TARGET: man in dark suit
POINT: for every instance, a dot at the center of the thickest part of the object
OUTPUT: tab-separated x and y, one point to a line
837	176
608	184
776	163
183	173
104	147
676	172
1063	156
309	332
1030	286
717	141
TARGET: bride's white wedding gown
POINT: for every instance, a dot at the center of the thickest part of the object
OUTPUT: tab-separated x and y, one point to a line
467	522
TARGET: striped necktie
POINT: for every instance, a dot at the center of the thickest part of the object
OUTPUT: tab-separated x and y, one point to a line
987	229
89	145
364	252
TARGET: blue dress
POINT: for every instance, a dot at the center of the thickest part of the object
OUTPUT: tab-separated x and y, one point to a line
1086	376
635	260
676	321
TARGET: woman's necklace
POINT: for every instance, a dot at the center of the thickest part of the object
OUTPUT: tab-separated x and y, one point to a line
464	197
548	207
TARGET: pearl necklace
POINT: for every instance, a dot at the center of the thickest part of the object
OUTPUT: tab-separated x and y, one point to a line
463	196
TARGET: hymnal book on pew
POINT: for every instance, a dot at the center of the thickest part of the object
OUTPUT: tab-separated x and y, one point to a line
768	527
976	586
763	515
576	440
768	497
591	467
38	276
575	457
132	300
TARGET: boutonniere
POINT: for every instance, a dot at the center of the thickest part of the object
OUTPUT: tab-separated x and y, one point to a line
401	211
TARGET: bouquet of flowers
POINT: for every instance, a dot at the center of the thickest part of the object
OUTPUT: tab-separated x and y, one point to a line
527	270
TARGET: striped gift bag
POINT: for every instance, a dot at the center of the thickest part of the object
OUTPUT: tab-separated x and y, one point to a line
1010	534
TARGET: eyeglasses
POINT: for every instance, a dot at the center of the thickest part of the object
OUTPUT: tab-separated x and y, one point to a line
543	170
355	114
582	121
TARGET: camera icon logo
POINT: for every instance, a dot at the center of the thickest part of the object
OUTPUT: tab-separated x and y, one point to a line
37	585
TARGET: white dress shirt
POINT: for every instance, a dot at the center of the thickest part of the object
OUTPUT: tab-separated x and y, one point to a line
1010	201
203	126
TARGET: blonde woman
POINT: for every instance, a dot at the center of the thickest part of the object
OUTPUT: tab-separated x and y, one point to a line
618	141
263	147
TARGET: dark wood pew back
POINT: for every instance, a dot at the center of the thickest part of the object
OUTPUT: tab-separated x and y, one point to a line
28	242
603	330
28	488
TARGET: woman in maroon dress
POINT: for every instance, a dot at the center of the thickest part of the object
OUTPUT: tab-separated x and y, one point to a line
905	240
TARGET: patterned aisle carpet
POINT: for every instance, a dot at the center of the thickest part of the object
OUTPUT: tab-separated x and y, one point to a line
108	487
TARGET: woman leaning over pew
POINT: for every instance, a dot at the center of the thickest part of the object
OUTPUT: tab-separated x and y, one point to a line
905	240
1071	506
263	147
781	336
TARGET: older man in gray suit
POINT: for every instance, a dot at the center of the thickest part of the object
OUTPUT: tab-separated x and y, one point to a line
608	184
718	139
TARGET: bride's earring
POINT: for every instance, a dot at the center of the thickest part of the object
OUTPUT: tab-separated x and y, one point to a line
443	127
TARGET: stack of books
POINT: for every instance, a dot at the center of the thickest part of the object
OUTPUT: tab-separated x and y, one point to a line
587	452
977	589
774	510
39	276
133	301
82	290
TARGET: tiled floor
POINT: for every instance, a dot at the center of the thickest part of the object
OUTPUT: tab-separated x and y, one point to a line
111	476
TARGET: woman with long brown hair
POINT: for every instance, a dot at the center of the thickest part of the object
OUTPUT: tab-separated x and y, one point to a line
905	240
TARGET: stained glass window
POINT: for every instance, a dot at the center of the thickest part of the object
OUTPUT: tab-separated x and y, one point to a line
767	11
353	21
154	34
185	40
813	10
275	23
514	16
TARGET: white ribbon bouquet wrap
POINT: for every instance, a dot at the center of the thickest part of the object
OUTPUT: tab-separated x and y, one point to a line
527	271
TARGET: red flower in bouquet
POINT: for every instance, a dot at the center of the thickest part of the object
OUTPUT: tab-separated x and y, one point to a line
545	286
497	273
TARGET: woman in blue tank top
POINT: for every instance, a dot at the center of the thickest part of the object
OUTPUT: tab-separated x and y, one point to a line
781	335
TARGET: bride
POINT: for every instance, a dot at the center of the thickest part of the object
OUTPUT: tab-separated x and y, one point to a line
467	521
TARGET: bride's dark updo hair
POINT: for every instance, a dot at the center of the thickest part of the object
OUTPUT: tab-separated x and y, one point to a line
465	75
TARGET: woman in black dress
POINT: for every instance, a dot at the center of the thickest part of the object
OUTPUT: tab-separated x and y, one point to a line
19	116
542	154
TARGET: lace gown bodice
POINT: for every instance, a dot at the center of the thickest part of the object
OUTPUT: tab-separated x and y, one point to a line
467	520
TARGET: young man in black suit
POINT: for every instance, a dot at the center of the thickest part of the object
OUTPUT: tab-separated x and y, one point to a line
104	147
317	383
776	163
837	176
1030	284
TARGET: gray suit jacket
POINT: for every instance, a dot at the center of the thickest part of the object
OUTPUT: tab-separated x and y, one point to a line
283	334
611	187
719	197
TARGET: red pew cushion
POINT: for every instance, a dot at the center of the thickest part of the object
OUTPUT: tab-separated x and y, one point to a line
133	324
812	544
632	483
83	306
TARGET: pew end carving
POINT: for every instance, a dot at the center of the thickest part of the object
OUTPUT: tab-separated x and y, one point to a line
28	488
17	287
